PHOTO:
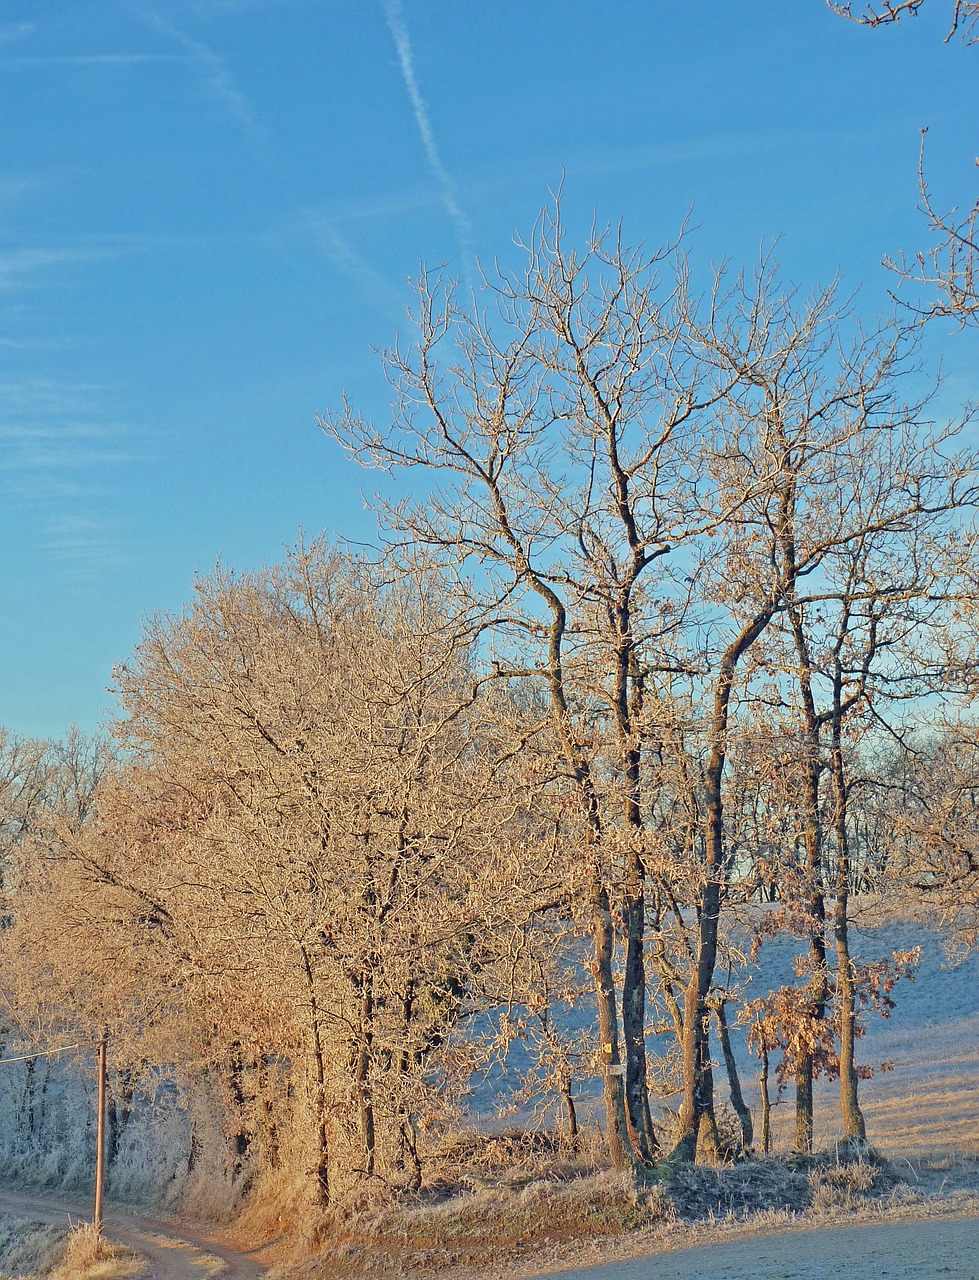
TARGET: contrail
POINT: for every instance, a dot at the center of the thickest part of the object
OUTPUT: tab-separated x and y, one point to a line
447	187
382	295
215	76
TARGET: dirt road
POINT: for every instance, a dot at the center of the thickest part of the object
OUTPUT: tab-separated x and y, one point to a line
931	1249
171	1254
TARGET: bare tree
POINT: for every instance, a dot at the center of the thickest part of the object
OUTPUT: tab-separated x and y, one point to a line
964	19
949	270
585	471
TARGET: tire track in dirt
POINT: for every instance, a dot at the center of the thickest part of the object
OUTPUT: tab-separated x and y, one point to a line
170	1252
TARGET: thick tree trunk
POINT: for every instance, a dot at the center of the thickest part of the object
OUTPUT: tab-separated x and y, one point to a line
854	1125
240	1138
697	1080
603	938
816	909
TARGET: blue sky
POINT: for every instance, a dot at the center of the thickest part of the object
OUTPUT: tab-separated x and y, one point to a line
210	209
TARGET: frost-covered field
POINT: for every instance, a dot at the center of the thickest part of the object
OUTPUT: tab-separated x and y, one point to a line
926	1101
929	1103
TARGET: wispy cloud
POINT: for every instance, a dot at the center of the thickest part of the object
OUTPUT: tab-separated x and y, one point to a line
67	447
379	291
382	206
49	425
62	460
40	61
21	268
85	543
447	187
16	31
15	187
215	75
29	397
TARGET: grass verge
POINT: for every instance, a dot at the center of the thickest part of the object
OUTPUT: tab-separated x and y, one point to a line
510	1228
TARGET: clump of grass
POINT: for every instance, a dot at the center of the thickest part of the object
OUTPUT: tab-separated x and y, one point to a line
851	1176
749	1187
89	1256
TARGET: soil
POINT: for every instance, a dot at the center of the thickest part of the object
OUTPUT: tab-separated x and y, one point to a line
171	1252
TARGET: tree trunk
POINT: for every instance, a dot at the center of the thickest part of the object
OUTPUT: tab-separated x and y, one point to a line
766	1106
620	1145
321	1161
818	982
742	1110
813	845
571	1111
634	1017
854	1125
697	1081
98	1217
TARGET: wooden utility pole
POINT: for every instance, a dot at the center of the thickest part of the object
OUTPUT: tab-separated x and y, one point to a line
99	1215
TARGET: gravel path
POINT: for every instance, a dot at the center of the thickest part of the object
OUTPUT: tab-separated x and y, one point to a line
931	1249
171	1253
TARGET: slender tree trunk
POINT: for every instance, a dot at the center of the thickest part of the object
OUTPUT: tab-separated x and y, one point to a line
406	1132
816	909
634	975
813	845
361	1073
621	1151
30	1096
766	1106
741	1108
571	1111
98	1217
321	1163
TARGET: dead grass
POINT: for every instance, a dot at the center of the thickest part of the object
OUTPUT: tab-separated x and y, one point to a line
493	1222
473	1228
28	1248
88	1256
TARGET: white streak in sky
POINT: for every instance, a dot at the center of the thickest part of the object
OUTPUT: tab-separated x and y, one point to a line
382	294
16	32
19	268
86	60
447	187
217	78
